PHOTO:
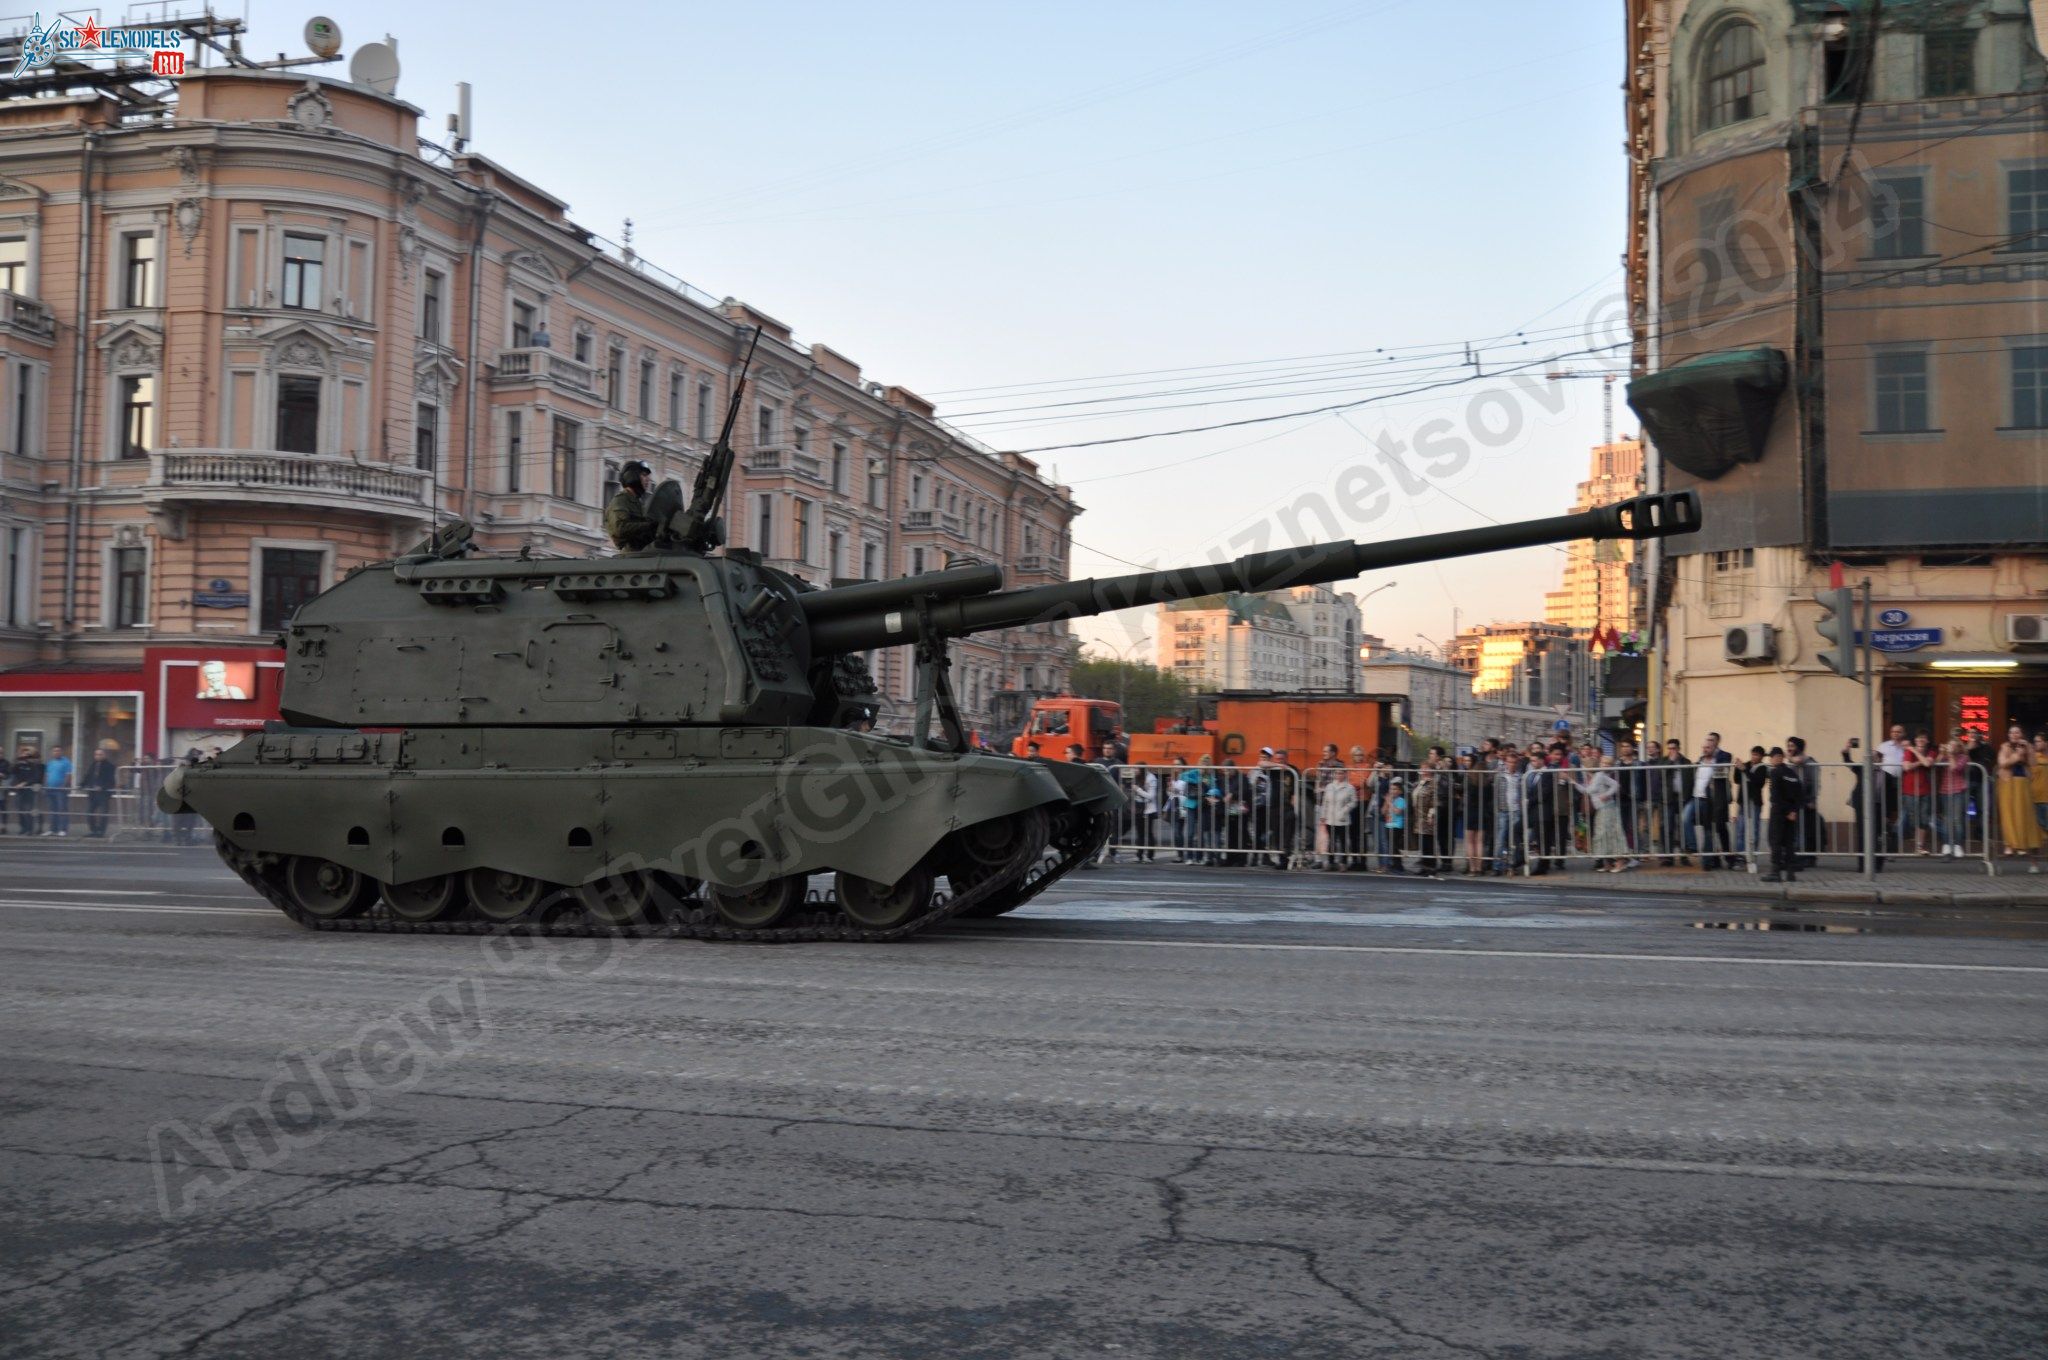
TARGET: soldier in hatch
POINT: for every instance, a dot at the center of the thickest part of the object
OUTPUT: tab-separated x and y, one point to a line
626	520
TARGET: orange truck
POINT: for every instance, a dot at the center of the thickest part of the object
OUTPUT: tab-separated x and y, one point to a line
1063	720
1231	728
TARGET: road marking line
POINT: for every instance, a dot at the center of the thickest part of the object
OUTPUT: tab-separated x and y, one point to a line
107	892
1499	953
123	906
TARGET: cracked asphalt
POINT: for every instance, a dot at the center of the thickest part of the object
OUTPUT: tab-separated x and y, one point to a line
1164	1113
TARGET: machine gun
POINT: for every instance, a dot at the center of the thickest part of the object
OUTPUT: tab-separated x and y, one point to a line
701	527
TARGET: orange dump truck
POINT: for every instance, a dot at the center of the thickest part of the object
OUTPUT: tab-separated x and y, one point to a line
1230	728
1062	721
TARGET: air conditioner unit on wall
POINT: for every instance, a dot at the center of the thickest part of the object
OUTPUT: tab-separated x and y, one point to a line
1750	643
2025	629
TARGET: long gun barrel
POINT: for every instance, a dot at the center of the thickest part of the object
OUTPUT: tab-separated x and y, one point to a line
895	614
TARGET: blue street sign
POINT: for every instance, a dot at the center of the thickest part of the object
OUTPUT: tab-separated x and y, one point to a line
1903	639
1893	618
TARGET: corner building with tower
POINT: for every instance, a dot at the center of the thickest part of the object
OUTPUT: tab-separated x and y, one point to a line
262	335
1838	285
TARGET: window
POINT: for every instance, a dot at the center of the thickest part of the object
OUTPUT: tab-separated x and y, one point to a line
2026	205
800	438
304	258
138	269
582	348
24	409
839	468
16	608
615	378
14	264
426	429
764	427
1950	65
1901	388
138	415
1845	64
870	562
131	588
916	561
291	576
1735	62
431	286
878	482
515	447
298	413
562	457
916	491
523	316
646	401
704	410
1897	225
675	400
801	523
2030	387
764	526
835	554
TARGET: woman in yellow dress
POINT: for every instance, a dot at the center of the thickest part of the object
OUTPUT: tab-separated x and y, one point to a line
2016	795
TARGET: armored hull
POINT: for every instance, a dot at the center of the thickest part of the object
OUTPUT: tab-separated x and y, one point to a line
720	832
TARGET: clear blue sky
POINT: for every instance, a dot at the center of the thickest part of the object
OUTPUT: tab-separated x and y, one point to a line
965	196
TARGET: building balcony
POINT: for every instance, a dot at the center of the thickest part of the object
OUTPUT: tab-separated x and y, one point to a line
785	463
519	367
301	479
1038	564
27	317
933	522
538	510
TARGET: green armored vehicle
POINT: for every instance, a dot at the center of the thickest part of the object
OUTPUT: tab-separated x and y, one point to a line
672	741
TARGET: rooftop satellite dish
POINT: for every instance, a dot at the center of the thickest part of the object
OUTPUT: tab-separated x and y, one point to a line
323	36
376	66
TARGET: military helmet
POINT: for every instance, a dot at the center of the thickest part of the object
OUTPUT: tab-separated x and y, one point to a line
634	470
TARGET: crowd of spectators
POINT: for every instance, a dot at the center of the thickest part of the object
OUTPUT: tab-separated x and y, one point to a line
1496	809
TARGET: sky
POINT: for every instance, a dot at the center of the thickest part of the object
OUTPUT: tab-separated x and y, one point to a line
1014	208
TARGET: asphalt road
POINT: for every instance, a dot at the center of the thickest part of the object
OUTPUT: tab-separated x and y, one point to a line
1165	1113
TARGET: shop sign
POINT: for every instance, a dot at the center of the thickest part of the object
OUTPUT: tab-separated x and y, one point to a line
220	593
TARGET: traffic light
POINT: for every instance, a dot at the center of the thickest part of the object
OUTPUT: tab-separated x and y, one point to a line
1837	627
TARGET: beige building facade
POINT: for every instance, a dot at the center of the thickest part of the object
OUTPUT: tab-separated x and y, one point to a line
1303	639
1598	590
1838	272
257	339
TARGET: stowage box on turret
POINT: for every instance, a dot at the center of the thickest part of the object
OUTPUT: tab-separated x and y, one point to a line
676	740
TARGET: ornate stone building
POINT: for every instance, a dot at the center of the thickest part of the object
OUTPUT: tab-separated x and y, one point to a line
1838	246
256	338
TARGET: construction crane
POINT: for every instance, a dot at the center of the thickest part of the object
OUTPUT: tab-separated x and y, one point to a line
1606	381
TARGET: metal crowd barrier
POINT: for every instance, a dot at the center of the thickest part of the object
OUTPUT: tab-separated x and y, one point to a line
1455	820
127	810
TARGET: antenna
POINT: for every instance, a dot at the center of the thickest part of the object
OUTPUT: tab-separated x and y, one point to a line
375	66
458	121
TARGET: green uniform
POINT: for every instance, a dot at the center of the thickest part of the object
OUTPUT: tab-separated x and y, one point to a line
627	522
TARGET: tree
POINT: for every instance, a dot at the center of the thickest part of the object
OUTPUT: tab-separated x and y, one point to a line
1146	692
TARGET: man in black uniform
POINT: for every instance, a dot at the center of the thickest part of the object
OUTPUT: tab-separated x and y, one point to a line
626	520
1787	790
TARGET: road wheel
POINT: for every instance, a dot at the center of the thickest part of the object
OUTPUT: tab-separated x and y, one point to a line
328	890
424	899
759	907
884	906
500	896
619	900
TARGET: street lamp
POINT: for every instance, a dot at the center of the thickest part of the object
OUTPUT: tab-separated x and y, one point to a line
1122	670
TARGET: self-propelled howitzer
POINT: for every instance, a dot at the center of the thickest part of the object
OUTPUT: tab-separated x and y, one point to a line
676	741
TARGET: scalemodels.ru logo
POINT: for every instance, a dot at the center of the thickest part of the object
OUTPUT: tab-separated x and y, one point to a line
69	40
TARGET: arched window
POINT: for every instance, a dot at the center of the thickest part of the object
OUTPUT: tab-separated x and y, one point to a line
1732	88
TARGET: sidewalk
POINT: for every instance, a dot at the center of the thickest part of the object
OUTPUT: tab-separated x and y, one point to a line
1905	881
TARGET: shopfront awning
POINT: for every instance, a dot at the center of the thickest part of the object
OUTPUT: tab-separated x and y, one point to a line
1710	413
